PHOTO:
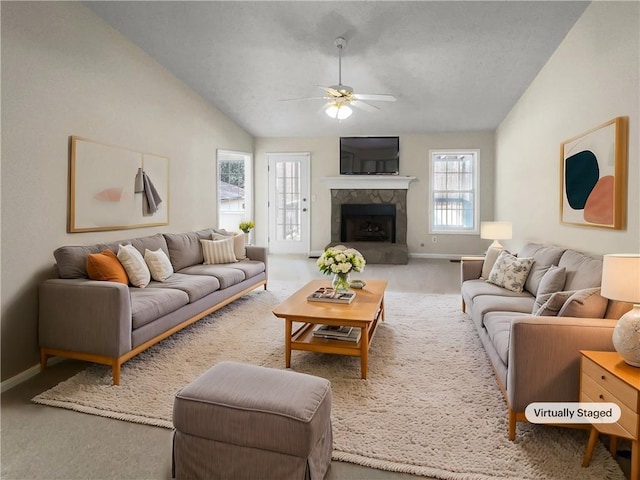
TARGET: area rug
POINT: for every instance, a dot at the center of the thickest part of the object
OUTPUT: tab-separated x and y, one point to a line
430	405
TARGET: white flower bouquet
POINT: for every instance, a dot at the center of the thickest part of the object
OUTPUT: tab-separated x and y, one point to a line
340	260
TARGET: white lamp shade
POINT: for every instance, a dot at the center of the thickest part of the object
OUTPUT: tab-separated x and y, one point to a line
621	277
496	230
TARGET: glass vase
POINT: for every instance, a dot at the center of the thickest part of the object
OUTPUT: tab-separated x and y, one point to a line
340	282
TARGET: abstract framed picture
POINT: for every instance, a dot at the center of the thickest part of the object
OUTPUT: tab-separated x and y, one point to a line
593	176
115	188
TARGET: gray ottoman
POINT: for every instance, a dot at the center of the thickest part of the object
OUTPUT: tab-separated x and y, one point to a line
240	421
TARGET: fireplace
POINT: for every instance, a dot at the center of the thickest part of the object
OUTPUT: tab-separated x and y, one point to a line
368	223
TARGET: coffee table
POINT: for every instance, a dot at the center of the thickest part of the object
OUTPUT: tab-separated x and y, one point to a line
365	312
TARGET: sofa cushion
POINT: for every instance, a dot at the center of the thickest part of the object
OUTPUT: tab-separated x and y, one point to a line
151	242
150	304
185	249
552	282
71	260
134	264
510	272
251	268
218	251
159	264
543	257
583	271
484	304
196	286
498	326
489	261
226	276
106	267
473	288
586	303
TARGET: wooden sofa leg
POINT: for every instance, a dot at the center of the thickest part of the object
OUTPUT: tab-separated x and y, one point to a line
43	360
115	372
464	307
512	425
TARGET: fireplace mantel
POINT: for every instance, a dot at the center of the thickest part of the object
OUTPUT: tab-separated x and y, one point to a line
371	182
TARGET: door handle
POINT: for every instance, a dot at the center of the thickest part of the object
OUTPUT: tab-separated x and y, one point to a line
304	209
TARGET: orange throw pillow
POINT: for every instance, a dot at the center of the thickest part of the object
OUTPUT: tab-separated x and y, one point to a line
105	266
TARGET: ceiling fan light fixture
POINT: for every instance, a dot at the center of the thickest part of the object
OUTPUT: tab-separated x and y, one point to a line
341	112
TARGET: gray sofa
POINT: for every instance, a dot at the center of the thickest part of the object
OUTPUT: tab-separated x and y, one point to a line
533	337
109	322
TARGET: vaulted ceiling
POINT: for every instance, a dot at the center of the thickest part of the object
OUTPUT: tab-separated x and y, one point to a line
453	66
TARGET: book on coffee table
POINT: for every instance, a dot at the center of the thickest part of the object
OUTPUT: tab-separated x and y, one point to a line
327	294
330	332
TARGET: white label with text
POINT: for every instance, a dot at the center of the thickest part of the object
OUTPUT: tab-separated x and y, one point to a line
572	412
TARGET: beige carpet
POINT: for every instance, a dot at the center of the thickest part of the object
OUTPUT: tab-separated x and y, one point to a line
431	405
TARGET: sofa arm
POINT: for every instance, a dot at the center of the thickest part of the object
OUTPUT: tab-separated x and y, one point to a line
259	254
544	357
85	316
470	268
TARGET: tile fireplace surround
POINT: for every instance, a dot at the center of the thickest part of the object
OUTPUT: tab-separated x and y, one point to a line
367	189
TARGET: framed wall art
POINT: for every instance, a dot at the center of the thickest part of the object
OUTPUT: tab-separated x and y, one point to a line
114	188
593	174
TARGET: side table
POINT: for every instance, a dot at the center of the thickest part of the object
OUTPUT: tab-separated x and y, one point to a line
605	377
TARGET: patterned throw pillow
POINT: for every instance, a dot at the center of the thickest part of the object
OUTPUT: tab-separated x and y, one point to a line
510	272
159	264
239	243
135	265
218	251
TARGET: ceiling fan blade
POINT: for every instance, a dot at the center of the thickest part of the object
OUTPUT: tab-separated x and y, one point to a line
302	98
364	106
376	97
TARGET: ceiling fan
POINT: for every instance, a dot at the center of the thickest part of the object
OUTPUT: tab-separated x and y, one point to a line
342	97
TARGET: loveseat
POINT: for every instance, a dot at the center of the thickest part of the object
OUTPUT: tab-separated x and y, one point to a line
534	320
109	322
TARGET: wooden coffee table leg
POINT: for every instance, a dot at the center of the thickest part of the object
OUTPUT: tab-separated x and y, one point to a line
287	343
364	352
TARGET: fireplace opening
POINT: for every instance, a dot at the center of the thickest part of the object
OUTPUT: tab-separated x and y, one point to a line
368	223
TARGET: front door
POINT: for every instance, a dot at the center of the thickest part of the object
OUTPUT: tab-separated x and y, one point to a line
288	202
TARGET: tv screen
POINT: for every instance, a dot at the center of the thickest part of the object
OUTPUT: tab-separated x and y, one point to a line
369	155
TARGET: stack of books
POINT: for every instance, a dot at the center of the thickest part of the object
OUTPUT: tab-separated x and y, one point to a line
326	294
333	332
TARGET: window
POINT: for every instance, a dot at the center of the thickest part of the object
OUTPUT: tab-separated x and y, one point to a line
234	189
453	197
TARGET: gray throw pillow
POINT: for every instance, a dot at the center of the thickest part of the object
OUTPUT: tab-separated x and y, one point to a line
586	303
553	304
551	282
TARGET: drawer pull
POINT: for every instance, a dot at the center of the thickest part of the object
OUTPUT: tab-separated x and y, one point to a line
602	377
601	397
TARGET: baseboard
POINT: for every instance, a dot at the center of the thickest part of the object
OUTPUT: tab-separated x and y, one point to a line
9	383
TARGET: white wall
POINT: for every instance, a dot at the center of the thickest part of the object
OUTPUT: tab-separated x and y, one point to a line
65	72
592	77
414	158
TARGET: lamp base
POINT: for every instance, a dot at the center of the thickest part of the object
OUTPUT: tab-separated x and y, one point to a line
496	244
626	336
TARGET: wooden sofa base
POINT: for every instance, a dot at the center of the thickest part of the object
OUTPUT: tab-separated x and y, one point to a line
116	362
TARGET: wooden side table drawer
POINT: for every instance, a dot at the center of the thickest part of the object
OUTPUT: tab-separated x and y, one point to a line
627	425
616	390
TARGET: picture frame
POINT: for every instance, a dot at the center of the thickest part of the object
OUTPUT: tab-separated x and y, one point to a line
107	189
593	176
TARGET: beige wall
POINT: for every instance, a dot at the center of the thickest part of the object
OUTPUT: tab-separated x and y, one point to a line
414	156
592	77
64	72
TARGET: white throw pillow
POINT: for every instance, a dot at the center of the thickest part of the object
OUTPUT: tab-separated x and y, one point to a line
218	251
159	264
135	266
239	243
510	272
489	261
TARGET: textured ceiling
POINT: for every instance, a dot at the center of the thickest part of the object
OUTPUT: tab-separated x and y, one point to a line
453	66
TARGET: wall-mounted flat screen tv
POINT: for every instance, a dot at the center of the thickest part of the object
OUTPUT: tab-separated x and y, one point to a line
369	155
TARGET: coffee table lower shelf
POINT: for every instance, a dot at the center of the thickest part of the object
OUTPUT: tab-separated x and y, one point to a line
303	339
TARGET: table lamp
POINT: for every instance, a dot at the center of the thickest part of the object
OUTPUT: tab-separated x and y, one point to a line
621	281
496	231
